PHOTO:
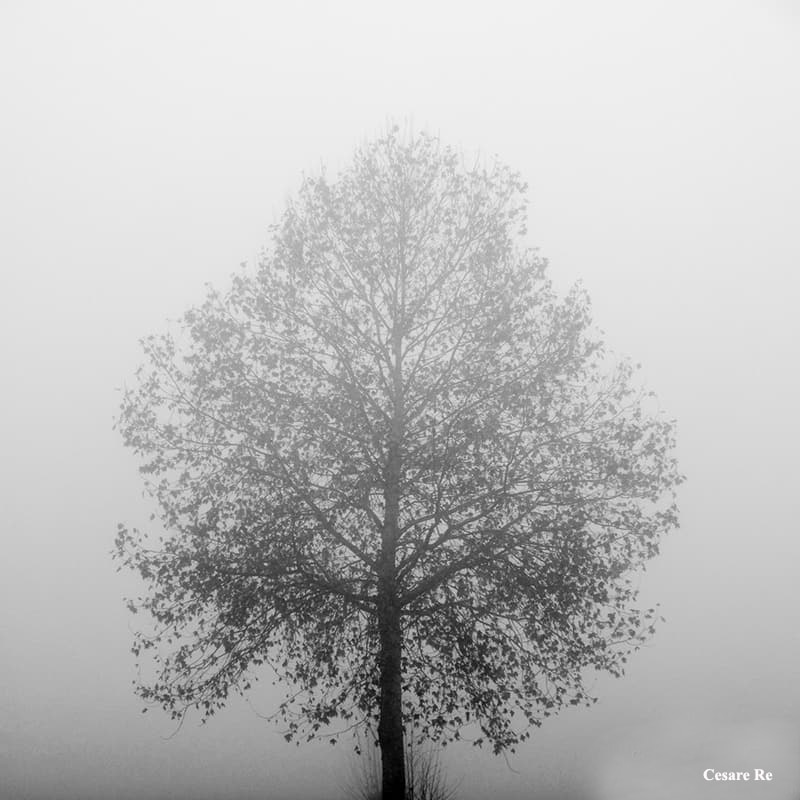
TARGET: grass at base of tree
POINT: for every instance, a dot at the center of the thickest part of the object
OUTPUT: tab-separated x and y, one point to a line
425	776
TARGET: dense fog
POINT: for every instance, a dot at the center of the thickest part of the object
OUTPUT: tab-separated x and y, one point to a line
147	147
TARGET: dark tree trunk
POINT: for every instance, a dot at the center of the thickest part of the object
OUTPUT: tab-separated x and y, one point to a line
390	725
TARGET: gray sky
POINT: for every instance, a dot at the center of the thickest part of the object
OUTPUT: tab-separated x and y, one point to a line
144	149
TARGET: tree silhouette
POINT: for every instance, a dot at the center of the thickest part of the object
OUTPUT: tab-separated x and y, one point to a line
396	468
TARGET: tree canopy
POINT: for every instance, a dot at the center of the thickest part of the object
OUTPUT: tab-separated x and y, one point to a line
395	466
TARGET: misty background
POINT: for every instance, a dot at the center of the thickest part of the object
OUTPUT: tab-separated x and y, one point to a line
144	150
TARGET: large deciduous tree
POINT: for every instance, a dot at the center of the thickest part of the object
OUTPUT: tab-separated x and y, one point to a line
394	466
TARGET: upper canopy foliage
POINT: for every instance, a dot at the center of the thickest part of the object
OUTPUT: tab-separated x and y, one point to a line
395	305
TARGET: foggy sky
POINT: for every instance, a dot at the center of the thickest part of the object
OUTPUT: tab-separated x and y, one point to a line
144	150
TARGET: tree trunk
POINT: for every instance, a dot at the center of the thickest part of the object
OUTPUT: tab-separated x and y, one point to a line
390	726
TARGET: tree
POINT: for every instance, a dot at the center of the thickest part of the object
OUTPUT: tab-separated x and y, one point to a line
396	468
